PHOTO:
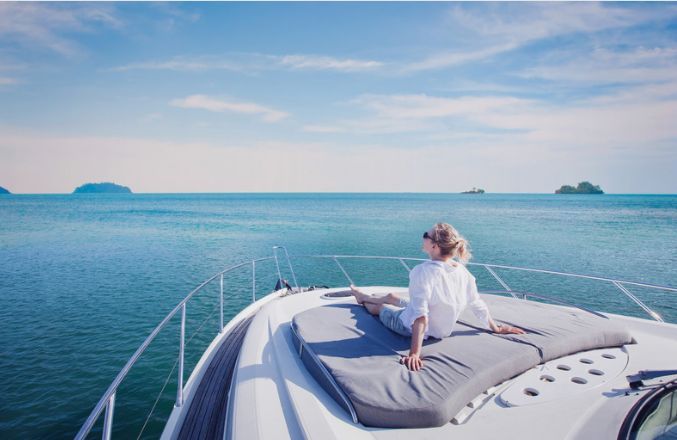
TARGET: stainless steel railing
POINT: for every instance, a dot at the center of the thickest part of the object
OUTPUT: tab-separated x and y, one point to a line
107	401
619	284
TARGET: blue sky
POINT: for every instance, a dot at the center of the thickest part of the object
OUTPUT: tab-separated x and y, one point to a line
432	97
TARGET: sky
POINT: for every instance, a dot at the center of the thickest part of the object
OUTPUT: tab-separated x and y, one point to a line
347	97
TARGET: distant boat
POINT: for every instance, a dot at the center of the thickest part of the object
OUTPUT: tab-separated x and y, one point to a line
474	191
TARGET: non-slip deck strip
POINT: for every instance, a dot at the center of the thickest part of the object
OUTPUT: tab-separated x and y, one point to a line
207	413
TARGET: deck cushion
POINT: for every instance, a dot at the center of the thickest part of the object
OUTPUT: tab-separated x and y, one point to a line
361	357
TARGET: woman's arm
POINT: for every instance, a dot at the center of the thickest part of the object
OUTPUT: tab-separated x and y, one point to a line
480	309
413	361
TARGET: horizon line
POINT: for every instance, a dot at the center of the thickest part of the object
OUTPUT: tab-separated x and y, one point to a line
331	192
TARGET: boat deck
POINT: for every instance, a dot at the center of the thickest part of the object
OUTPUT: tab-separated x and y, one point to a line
206	415
276	397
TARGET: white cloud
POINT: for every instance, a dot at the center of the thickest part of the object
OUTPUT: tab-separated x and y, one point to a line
43	25
185	64
603	66
9	67
173	15
632	118
216	105
394	114
427	107
312	62
450	59
524	22
255	62
493	29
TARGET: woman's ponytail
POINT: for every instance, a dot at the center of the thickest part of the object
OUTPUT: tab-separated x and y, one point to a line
463	250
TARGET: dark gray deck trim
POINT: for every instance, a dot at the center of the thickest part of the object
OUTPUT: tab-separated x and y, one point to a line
206	416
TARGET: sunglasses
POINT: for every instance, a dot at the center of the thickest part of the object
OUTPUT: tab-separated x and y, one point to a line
426	235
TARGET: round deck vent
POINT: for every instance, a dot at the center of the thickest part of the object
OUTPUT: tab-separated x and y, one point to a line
339	294
531	392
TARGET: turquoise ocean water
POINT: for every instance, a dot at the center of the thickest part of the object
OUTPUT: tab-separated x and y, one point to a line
85	278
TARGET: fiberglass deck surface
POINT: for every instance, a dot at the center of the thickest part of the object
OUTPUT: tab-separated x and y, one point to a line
206	416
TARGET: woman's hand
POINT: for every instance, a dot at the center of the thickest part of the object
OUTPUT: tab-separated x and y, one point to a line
506	329
413	362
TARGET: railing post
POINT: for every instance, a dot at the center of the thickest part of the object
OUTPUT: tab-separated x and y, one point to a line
505	286
637	301
221	312
277	264
179	386
253	281
406	266
343	270
293	275
108	418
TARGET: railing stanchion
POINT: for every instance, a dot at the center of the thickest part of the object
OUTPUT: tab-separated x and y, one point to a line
629	294
179	386
406	266
253	281
343	270
108	418
293	275
221	305
505	286
277	264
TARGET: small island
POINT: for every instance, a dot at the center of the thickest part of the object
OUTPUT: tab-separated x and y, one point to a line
102	188
582	188
4	191
474	191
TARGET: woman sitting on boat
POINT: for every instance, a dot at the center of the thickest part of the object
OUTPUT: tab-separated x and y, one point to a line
439	290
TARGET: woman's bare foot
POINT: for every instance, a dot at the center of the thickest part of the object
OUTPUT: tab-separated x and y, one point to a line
360	296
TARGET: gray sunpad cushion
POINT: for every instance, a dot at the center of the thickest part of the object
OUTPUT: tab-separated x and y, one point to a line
363	356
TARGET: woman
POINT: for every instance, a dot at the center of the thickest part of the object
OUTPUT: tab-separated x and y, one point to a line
439	290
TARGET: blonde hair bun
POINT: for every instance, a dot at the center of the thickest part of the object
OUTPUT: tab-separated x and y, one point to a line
451	242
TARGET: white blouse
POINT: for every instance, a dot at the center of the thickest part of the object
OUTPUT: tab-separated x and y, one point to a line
441	292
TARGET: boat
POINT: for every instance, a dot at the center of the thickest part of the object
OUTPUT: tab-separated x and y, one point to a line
308	362
474	191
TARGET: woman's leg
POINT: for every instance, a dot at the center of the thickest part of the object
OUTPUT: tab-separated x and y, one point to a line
374	309
363	298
